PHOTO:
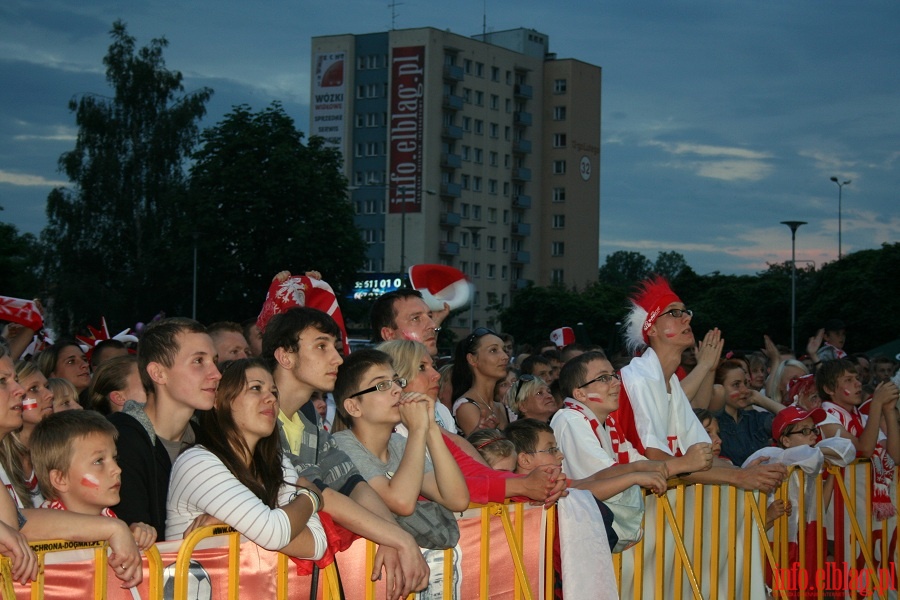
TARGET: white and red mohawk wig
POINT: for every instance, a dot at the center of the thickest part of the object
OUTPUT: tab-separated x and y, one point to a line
651	298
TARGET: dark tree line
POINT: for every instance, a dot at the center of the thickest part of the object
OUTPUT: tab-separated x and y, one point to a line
859	289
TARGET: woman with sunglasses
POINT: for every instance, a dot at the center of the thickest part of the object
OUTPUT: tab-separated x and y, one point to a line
479	363
531	399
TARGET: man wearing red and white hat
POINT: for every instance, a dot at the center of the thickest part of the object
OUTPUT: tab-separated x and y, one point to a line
654	413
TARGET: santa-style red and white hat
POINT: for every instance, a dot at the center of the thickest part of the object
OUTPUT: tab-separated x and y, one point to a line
439	284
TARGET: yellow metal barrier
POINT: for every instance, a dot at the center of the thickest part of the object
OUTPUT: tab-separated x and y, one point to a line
702	542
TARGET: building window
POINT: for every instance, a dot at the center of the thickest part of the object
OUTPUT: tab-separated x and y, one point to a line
495	73
476	184
476	272
464	182
495	102
467	123
506	244
467	95
506	160
508	105
559	221
557	248
506	133
465	211
479	98
559	140
479	156
465	152
494	159
491	271
559	194
495	130
505	217
557	276
467	65
559	113
559	167
479	127
492	242
506	188
479	69
492	186
492	215
559	86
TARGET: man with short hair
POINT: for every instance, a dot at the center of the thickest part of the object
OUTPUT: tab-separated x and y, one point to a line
539	366
883	369
177	362
834	337
300	345
404	315
229	340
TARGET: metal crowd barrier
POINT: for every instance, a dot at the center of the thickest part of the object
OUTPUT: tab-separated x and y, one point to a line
700	541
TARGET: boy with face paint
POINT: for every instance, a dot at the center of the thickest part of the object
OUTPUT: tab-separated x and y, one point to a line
841	392
74	454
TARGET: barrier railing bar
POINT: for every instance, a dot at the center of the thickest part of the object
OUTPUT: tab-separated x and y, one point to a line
680	549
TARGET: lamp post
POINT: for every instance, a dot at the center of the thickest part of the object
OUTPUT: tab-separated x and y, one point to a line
840	194
794	225
194	299
473	230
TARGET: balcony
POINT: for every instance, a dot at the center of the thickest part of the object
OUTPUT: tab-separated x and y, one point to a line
523	91
453	102
521	229
451	190
453	73
449	249
521	174
450	219
522	147
453	132
451	161
520	258
521	201
522	118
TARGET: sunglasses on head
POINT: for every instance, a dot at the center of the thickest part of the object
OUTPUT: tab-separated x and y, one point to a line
525	378
477	334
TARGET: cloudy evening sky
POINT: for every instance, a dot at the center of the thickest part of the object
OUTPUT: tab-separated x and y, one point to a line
720	118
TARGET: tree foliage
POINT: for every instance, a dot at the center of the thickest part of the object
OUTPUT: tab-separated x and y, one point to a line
113	242
263	201
858	289
19	260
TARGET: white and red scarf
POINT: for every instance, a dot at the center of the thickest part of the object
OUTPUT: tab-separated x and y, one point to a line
58	505
616	439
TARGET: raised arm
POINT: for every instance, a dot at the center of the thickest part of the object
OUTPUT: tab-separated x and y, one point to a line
446	484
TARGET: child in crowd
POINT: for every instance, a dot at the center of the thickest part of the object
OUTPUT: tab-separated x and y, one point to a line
711	425
495	449
74	454
65	396
584	546
841	392
369	396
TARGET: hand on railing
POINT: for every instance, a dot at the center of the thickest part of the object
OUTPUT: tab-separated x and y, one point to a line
760	475
22	558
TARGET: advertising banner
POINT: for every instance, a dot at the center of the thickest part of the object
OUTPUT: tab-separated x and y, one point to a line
406	127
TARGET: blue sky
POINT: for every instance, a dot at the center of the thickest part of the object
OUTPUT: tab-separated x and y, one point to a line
720	119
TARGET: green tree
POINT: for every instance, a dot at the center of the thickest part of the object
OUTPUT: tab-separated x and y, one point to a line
670	264
624	268
19	263
113	245
263	201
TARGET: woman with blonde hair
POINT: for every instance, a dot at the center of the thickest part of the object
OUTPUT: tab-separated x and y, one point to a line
531	399
65	396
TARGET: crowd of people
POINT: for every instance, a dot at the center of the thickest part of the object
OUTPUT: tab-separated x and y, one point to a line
276	430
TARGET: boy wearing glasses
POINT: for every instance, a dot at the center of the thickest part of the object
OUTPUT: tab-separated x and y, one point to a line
370	398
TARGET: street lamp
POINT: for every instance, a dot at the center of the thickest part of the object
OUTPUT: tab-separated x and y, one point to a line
840	193
794	225
473	230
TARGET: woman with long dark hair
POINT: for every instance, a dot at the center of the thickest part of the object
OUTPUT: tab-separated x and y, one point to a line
479	363
236	473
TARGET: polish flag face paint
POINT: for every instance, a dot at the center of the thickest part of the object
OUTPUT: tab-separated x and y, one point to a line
89	481
29	403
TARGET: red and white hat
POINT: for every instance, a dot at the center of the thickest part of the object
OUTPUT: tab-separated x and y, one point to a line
792	415
439	284
23	312
302	291
652	297
562	337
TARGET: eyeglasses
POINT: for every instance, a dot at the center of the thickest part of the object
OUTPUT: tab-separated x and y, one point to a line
479	332
552	450
677	313
605	379
804	431
382	386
